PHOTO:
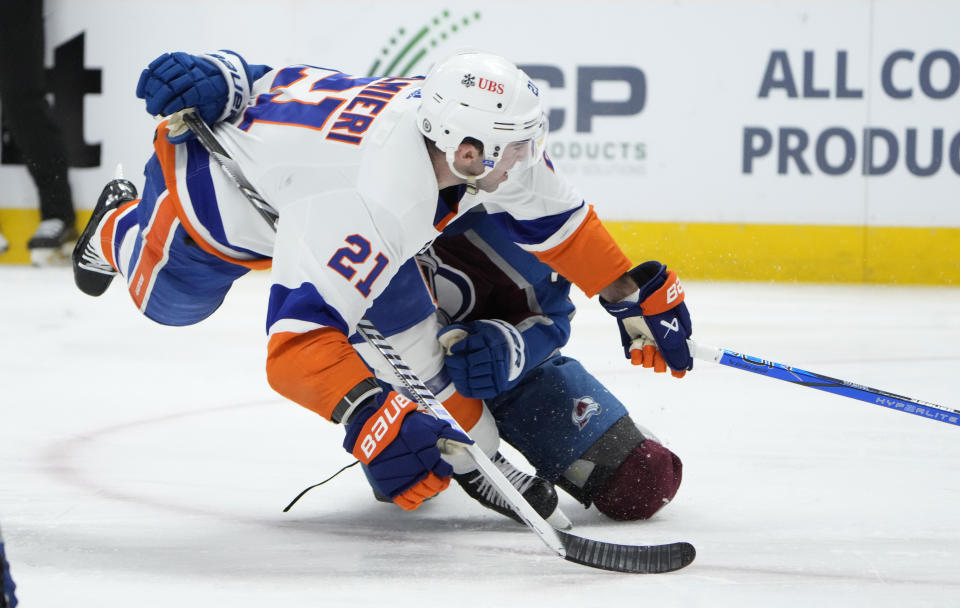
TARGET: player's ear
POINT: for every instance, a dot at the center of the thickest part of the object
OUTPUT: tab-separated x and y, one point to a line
469	151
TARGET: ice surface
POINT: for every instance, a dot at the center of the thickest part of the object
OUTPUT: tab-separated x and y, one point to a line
147	466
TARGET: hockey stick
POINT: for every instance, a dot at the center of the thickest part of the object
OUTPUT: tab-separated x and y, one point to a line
793	375
639	559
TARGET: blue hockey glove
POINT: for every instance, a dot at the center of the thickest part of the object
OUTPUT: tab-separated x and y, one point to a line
484	358
655	315
399	446
176	81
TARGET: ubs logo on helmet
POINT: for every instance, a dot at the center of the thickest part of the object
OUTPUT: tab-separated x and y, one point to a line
469	80
489	85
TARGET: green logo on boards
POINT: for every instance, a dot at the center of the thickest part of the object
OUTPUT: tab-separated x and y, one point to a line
406	49
580	152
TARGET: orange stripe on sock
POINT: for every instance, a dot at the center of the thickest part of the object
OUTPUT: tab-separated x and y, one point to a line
153	251
589	258
108	232
315	369
465	410
167	155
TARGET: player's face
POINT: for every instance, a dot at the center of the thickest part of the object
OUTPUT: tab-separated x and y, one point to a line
517	155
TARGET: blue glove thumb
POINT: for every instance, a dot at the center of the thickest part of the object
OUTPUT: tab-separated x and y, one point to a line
451	335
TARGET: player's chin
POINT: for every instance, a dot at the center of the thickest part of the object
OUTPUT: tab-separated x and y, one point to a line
491	183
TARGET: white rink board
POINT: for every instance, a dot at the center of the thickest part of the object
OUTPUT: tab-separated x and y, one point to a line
688	81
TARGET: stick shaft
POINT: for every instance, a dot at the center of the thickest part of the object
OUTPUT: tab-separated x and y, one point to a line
230	167
844	388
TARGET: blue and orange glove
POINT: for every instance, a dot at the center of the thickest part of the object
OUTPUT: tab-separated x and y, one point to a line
398	445
655	323
217	84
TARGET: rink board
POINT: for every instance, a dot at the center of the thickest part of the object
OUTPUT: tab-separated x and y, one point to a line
739	252
804	140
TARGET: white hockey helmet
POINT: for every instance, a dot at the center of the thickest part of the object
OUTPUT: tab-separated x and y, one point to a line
487	98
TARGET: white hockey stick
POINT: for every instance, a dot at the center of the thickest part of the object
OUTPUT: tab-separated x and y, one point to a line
637	559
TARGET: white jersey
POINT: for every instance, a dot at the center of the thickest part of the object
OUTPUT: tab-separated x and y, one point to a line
342	161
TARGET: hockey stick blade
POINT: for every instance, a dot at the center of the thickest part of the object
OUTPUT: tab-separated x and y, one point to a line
795	375
634	559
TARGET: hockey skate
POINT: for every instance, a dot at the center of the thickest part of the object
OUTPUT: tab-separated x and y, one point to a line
91	272
539	492
51	243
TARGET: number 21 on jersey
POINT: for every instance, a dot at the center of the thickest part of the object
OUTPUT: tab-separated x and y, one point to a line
347	260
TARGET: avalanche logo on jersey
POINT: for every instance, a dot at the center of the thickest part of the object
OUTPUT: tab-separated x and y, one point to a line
452	289
584	409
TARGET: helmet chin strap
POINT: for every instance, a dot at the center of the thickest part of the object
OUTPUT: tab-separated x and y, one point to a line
472	187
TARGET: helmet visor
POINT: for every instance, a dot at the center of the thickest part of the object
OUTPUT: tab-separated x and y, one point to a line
518	156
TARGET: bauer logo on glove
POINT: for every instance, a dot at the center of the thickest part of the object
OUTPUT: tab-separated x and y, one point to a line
377	427
398	446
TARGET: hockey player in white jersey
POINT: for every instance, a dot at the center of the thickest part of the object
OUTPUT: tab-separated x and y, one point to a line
364	173
513	311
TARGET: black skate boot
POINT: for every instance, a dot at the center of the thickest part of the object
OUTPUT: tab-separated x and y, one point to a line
91	272
539	492
51	242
